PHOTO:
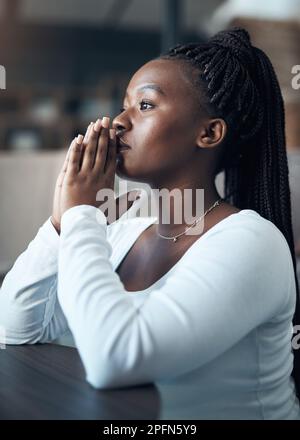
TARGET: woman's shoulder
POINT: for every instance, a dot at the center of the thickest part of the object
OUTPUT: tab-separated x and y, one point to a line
247	238
250	220
250	226
249	253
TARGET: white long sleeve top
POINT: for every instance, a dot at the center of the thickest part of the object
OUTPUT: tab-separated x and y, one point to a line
220	320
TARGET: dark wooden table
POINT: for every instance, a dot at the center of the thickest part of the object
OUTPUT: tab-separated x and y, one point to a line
47	381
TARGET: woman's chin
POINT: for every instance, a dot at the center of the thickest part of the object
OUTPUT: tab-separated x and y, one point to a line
126	169
122	171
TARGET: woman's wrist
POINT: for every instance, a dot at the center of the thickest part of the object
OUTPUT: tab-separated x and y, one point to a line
55	224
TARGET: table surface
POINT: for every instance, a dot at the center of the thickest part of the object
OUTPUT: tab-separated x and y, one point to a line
47	381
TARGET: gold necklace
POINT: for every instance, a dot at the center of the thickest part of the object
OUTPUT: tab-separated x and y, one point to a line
196	221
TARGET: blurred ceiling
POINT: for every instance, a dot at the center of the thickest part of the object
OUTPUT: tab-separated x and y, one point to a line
52	41
125	14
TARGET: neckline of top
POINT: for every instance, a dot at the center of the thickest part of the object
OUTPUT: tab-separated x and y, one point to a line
193	245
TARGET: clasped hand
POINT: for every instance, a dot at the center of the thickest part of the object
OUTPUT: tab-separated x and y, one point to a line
89	166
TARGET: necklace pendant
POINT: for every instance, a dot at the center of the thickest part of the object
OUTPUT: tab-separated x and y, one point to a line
174	239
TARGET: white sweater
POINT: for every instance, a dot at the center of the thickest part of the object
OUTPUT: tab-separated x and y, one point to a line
218	323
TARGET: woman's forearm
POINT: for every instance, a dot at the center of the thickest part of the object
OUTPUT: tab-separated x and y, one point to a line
28	295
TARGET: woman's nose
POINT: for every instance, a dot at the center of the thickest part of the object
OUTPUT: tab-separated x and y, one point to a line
118	127
120	124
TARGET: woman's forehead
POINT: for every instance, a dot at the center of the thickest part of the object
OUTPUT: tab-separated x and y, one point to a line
164	77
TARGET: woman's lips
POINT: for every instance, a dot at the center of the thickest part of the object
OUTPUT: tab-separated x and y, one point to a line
121	145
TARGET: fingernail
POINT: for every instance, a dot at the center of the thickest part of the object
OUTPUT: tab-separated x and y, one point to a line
79	139
97	125
105	122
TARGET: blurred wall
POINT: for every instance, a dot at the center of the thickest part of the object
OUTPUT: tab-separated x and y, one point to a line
26	192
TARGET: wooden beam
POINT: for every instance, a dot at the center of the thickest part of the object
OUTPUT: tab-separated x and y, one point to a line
11	10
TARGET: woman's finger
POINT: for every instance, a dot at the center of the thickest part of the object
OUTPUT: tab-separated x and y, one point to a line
74	158
110	164
84	143
87	134
102	148
91	147
65	165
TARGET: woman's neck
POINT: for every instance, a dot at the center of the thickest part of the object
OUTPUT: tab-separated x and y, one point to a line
177	208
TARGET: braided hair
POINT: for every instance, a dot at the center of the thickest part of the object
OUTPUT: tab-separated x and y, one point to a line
237	82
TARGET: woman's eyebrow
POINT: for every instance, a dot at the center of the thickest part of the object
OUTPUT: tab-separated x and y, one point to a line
152	87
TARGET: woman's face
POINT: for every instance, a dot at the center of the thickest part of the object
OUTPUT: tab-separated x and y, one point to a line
159	122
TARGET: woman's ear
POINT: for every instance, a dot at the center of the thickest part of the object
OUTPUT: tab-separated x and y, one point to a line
212	133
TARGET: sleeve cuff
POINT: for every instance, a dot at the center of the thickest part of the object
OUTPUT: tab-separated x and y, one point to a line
84	211
49	236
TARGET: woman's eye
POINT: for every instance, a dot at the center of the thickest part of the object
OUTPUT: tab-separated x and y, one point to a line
142	103
145	103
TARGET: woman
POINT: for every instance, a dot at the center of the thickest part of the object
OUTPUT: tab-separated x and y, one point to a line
213	310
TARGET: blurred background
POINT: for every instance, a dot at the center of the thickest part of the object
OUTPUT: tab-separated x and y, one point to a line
68	62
